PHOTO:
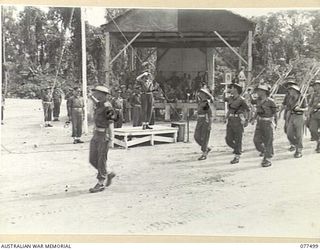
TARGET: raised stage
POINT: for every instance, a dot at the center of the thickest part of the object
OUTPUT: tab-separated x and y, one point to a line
130	136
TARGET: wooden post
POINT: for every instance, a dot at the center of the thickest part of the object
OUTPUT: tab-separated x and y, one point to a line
249	58
107	59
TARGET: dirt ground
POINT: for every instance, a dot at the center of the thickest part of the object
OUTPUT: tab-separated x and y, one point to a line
158	190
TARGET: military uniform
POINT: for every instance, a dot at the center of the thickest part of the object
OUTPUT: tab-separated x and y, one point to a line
295	122
263	135
146	99
57	98
235	126
286	107
76	110
117	104
314	112
126	93
104	117
136	110
204	121
47	107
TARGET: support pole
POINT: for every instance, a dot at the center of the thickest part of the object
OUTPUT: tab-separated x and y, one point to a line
125	47
213	72
240	62
84	70
230	47
249	58
188	118
210	67
107	59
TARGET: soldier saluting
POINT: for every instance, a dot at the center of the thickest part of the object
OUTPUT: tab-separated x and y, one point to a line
237	120
147	100
266	119
204	122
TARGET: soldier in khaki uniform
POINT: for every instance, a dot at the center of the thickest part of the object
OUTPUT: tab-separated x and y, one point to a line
285	107
204	122
314	114
295	118
76	110
118	105
47	106
101	141
57	99
135	102
147	99
266	119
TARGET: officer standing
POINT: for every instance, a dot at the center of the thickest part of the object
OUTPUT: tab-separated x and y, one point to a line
68	97
204	122
295	119
118	103
237	120
314	114
57	98
47	106
146	98
101	141
136	107
76	110
266	119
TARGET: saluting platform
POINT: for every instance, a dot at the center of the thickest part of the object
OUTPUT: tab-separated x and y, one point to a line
130	136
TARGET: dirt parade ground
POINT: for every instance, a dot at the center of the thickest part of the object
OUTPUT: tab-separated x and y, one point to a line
158	190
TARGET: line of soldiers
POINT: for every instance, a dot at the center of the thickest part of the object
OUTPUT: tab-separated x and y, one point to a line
265	115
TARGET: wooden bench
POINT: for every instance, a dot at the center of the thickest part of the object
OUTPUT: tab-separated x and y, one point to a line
130	136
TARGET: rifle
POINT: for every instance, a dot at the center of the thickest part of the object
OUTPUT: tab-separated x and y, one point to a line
307	81
279	82
251	83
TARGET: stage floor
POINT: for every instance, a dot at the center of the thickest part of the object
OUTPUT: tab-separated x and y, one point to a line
130	136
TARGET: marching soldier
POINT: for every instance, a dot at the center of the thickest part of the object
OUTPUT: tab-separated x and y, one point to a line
47	106
76	110
101	141
314	114
57	98
204	122
285	106
117	104
266	119
237	120
295	119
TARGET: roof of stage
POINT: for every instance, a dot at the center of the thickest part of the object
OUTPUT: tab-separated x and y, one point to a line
180	28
